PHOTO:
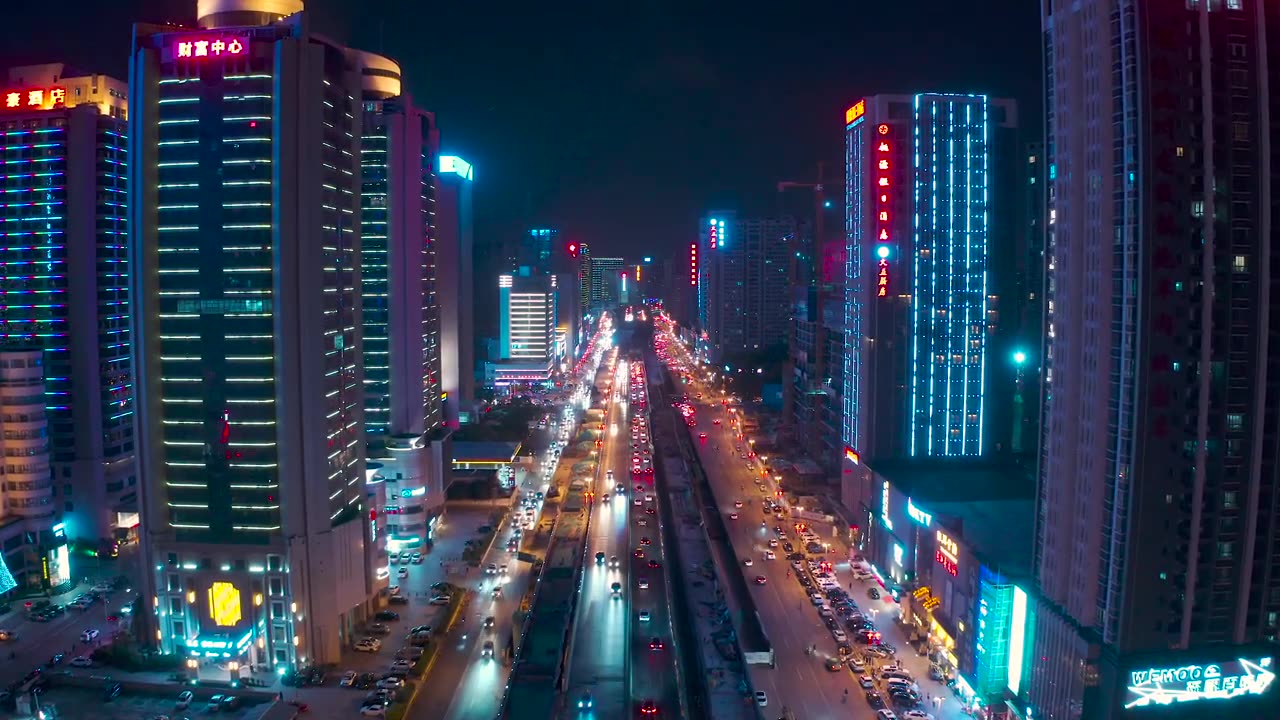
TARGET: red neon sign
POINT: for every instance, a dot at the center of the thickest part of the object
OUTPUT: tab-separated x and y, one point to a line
883	166
35	98
947	563
190	48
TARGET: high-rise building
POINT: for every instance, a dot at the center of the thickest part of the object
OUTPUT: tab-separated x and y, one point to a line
584	278
745	283
527	329
245	225
33	539
536	249
923	207
65	289
606	282
455	276
1156	558
403	415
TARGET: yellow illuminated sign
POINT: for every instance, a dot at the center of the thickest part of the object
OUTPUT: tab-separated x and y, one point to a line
858	110
224	604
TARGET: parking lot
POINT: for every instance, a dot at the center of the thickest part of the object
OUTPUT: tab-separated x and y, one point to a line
75	703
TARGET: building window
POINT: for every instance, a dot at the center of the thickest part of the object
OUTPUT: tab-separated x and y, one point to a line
1197	208
174	584
1235	421
175	606
1179	150
1235	5
1240	264
277	586
179	629
1240	131
1225	550
277	610
1229	500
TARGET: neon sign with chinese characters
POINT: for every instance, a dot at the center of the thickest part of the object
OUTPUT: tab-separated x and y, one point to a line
855	112
884	236
693	264
948	555
210	46
1165	686
713	234
35	98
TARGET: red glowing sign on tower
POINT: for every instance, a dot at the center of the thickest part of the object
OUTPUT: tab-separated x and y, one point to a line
34	98
189	47
693	264
884	236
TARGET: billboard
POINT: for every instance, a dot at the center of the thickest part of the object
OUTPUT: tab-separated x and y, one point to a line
1157	686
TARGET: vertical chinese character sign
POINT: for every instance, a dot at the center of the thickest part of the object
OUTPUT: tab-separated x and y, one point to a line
884	182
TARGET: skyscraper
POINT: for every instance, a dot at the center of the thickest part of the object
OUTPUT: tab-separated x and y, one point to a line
606	282
527	329
245	221
64	288
403	417
1155	554
746	264
455	276
921	219
536	248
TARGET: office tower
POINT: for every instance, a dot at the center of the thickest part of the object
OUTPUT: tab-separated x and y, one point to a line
746	264
1155	554
527	330
584	278
455	275
62	134
606	282
565	265
924	208
34	540
1027	351
403	416
535	250
245	225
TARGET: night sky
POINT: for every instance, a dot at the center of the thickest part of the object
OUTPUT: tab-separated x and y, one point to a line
620	125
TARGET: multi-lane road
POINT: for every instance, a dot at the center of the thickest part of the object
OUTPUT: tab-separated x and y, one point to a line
622	659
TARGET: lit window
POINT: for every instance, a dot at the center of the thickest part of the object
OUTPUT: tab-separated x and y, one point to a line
1235	421
1179	151
1240	264
1234	4
1197	208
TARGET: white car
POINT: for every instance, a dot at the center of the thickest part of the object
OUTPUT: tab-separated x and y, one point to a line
83	661
402	572
89	635
391	683
770	555
644	616
369	645
348	679
184	700
373	711
761	699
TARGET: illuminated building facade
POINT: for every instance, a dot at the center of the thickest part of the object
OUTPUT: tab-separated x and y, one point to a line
746	274
245	224
401	342
455	276
1155	552
62	219
33	539
921	214
606	282
527	329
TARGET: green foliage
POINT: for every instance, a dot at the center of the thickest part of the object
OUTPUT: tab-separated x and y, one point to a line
125	655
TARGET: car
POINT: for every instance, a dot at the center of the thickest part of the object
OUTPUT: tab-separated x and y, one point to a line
884	714
644	616
486	651
402	572
599	558
375	710
348	679
645	541
733	516
369	645
387	615
417	558
184	700
491	569
390	683
761	580
648	707
873	593
616	589
643	583
656	644
214	704
613	562
773	542
82	662
748	562
857	665
440	600
89	635
762	699
639	553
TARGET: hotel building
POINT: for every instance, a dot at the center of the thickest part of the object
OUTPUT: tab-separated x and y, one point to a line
527	323
64	287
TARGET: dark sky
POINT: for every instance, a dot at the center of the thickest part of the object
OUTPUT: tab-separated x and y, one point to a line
621	124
